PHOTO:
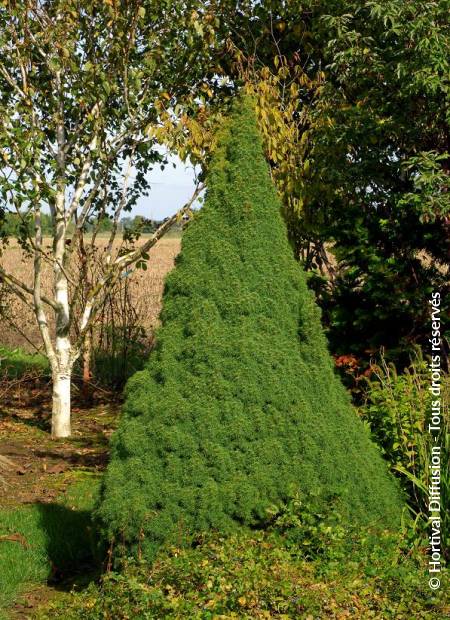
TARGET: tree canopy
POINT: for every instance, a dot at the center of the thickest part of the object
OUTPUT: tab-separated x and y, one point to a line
84	87
353	105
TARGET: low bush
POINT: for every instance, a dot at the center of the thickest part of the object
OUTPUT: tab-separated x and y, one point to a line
263	575
114	365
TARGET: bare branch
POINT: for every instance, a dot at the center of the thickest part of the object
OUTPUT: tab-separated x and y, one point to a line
16	290
38	307
20	287
106	283
118	211
20	331
12	82
78	129
82	179
127	259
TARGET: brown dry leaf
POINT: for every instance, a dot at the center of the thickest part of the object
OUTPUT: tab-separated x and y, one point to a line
15	538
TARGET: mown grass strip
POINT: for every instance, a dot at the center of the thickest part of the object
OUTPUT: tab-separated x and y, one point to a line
47	541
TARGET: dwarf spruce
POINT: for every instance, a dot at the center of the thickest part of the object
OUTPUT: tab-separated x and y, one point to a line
238	405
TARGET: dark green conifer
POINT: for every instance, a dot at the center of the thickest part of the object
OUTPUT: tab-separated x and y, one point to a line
239	404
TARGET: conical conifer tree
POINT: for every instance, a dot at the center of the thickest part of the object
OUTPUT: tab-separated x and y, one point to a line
239	403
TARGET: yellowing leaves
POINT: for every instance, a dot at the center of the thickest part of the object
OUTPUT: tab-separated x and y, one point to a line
285	126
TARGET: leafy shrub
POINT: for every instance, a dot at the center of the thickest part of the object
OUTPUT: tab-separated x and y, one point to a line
398	409
308	533
239	402
259	575
116	363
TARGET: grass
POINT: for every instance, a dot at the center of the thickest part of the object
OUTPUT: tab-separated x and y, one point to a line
16	363
22	562
47	541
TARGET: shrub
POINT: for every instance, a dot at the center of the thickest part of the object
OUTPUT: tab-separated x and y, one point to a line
398	409
120	357
239	403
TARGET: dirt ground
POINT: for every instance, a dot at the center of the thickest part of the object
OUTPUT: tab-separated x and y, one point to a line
34	469
37	469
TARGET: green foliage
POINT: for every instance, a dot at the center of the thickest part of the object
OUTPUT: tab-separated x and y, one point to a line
143	224
48	540
365	174
239	402
256	576
381	160
102	224
307	532
16	363
108	97
19	226
398	409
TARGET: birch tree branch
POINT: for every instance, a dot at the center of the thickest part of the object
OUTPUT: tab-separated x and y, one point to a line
81	184
20	287
127	259
38	307
119	209
105	284
12	82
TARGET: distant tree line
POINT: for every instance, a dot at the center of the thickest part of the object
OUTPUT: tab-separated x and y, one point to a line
13	225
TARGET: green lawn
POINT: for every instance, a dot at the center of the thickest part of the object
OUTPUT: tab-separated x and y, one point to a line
51	540
16	362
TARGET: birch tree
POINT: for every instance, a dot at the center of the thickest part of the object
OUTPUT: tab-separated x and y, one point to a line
83	88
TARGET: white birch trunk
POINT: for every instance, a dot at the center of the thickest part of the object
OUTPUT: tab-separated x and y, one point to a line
61	405
63	360
62	370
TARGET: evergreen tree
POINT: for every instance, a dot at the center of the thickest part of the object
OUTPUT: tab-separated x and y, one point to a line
239	404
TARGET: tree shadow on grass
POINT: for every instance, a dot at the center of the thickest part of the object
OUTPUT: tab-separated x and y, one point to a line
73	546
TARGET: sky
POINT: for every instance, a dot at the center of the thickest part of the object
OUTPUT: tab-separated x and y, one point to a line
170	189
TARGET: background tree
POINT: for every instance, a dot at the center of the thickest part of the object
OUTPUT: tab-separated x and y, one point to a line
353	103
382	162
82	86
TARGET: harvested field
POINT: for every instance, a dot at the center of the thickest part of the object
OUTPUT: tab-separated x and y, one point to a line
146	287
